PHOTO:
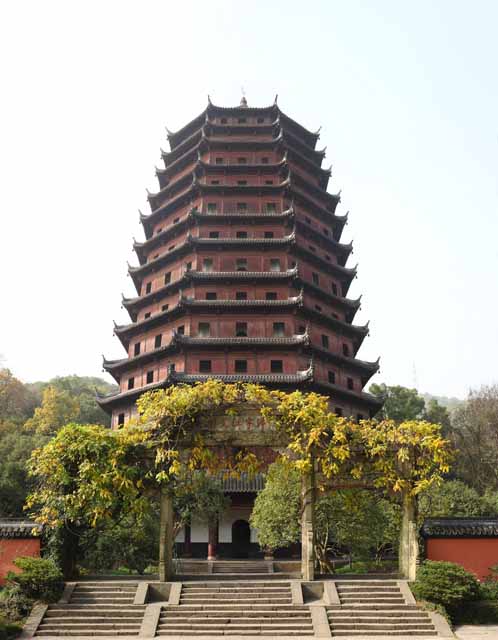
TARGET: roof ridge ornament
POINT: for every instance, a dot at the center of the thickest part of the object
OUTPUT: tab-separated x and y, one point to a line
275	101
243	102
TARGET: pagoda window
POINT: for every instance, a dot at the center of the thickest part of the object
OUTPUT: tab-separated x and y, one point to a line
146	315
165	307
219	160
188	266
170	248
260	120
241	264
240	366
211	295
350	383
131	383
301	329
242	120
269	234
271	207
212	207
293	264
242	160
345	349
215	182
167	277
241	295
241	234
148	287
241	329
204	329
150	377
241	207
331	377
325	341
204	366
271	295
276	366
181	330
136	349
242	183
158	340
279	329
315	278
214	234
207	264
274	264
334	289
338	412
268	181
121	419
265	160
223	120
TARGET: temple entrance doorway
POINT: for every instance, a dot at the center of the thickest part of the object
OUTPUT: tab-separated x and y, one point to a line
241	539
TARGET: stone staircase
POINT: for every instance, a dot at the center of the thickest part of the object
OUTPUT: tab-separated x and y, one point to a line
235	609
242	567
370	608
95	609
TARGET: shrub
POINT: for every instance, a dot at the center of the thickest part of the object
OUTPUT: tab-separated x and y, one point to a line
14	605
489	590
445	583
40	579
8	630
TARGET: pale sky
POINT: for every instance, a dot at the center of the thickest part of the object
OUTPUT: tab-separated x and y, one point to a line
407	97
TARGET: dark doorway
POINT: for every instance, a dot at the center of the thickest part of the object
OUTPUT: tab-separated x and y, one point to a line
241	539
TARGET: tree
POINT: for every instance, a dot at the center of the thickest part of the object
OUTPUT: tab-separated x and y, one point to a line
198	496
437	414
406	458
16	401
474	432
58	408
451	498
277	509
400	403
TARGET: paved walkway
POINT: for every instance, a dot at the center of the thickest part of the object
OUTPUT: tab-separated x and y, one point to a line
477	632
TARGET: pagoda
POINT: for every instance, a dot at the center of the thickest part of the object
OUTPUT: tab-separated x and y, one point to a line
242	274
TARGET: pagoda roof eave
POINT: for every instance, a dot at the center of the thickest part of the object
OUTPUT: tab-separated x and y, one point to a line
357	332
346	274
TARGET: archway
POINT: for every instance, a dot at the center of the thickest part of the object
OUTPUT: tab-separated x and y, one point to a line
241	539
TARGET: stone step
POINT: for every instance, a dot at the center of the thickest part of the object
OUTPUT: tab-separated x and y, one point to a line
78	632
242	590
373	606
271	613
219	595
105	587
87	612
369	590
235	627
126	626
234	584
356	634
103	600
238	601
367	583
238	619
367	616
374	599
69	620
237	607
228	633
376	626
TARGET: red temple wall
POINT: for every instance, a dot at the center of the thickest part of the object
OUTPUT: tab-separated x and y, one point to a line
474	554
12	548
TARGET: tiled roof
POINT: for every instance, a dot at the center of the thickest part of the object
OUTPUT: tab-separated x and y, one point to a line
242	275
460	528
19	528
235	341
245	483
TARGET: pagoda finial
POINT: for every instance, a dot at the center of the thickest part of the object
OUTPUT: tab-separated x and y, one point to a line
243	102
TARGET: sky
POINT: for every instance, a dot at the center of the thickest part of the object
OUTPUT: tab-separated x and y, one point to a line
406	94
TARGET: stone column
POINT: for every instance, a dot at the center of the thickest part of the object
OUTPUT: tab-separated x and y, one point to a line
166	539
307	534
212	540
408	540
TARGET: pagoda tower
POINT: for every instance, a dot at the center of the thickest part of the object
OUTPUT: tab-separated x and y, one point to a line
242	275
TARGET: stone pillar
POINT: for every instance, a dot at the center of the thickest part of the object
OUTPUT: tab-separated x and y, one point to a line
212	540
166	538
187	547
307	534
408	540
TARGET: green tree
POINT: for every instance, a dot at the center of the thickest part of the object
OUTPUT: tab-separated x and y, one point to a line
277	509
400	403
437	414
451	498
474	432
16	400
58	408
198	496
